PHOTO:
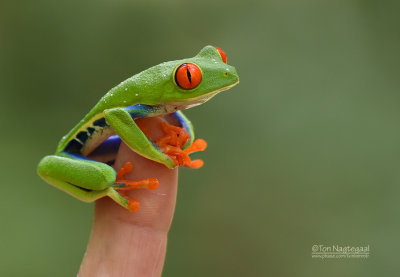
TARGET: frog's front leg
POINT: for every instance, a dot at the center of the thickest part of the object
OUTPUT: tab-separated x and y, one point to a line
89	180
122	121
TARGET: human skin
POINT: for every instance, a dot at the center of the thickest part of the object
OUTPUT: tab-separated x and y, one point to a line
123	243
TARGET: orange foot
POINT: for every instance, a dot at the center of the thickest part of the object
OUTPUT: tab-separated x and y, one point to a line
174	140
126	185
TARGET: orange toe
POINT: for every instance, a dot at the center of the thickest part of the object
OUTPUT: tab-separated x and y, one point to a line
197	145
133	205
125	169
195	164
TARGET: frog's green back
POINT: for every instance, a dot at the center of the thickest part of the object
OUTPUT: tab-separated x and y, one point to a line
157	86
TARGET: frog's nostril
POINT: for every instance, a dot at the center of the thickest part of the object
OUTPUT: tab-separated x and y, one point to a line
226	73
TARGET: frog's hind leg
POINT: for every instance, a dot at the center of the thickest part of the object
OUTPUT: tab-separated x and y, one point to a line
82	178
89	180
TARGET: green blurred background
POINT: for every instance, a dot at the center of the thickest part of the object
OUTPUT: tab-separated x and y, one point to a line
305	150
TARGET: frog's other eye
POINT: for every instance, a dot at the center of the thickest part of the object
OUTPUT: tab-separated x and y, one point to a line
188	76
222	53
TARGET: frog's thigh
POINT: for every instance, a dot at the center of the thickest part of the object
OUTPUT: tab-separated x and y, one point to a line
85	179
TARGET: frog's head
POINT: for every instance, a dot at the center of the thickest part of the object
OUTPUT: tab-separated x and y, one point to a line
189	82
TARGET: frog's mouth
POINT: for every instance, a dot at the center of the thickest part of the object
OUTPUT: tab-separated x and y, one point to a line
174	106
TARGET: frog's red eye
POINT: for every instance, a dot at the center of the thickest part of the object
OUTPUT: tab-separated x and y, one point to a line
188	76
222	53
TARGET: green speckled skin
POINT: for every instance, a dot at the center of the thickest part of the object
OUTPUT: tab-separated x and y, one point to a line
152	92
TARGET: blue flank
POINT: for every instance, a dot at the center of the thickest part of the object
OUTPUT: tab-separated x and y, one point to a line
182	122
76	156
112	144
109	146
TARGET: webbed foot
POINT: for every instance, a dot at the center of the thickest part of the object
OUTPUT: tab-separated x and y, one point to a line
174	141
127	185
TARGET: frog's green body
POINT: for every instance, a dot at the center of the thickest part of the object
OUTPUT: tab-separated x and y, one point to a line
152	92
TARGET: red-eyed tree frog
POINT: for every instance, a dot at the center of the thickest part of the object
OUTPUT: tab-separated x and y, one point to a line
83	163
